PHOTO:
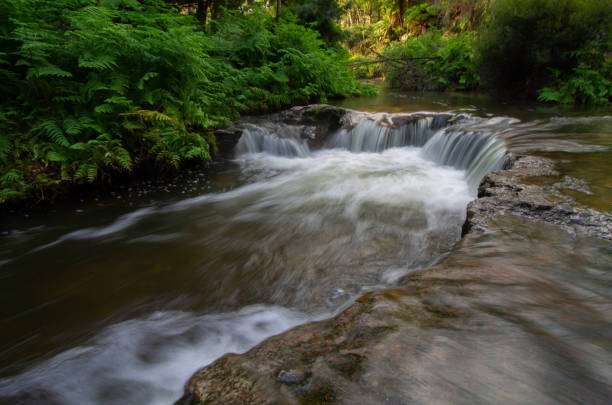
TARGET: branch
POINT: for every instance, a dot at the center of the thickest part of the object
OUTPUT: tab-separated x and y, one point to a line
406	60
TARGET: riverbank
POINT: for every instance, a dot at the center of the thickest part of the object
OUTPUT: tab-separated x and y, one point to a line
440	329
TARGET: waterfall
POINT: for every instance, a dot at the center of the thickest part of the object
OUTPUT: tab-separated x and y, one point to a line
478	153
376	133
462	142
256	139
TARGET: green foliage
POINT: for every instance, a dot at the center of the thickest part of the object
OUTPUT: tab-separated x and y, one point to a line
373	24
588	83
92	87
320	14
432	62
420	17
525	42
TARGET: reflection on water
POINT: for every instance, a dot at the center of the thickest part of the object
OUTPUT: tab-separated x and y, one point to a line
120	300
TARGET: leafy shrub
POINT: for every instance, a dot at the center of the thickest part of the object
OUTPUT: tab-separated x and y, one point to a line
588	83
421	17
92	87
432	62
525	41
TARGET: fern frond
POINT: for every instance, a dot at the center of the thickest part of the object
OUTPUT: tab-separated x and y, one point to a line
72	126
119	83
150	115
103	62
50	70
92	172
11	177
55	156
123	157
147	76
53	132
104	109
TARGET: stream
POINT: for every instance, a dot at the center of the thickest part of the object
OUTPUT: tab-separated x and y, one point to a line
120	299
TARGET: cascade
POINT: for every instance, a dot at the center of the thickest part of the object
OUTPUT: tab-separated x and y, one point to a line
375	133
478	153
256	139
472	146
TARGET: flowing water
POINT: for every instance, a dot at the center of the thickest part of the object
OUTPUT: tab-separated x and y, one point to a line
120	299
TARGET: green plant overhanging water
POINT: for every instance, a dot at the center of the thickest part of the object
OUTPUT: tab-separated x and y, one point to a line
588	83
92	87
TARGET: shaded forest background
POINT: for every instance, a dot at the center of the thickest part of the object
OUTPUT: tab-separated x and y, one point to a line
92	88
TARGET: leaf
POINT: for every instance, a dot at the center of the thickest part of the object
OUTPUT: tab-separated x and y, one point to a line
53	132
147	76
104	109
50	70
150	115
102	62
72	126
11	177
55	156
92	172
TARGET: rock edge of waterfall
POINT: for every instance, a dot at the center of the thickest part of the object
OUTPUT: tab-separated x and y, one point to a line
392	329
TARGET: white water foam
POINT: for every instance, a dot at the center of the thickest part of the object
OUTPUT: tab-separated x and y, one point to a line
145	360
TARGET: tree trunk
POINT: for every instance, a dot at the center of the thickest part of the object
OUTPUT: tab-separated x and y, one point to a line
278	10
202	10
401	9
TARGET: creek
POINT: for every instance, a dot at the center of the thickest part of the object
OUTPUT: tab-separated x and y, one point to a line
120	299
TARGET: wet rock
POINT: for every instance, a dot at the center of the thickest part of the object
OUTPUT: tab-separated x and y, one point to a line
573	183
315	122
225	140
291	376
513	192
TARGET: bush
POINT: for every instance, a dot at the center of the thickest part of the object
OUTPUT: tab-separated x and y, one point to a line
92	87
588	83
524	42
432	62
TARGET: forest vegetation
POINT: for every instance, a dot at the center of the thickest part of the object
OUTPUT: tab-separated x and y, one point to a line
92	88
